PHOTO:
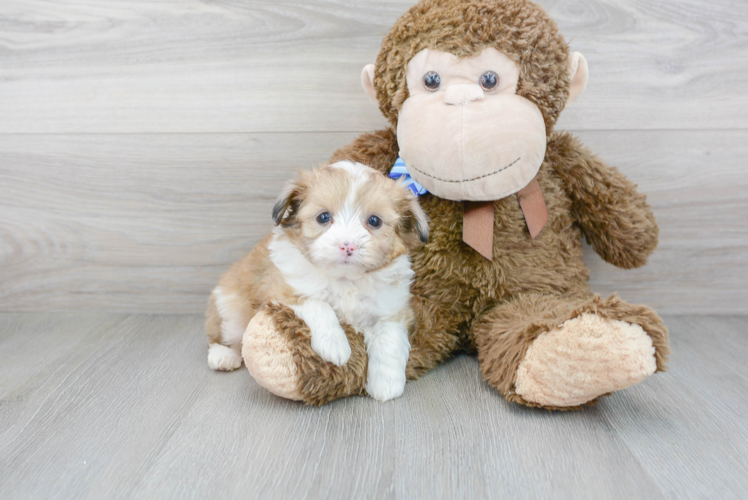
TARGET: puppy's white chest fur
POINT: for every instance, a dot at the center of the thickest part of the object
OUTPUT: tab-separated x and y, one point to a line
359	299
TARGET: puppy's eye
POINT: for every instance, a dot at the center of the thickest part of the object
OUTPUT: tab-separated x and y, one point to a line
432	81
324	218
374	221
489	80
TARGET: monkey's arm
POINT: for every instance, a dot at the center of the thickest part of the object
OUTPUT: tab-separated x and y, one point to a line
614	216
377	150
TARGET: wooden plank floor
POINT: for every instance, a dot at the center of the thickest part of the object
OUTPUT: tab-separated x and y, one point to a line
116	406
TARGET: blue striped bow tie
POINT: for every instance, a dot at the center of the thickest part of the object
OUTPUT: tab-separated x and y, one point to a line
399	170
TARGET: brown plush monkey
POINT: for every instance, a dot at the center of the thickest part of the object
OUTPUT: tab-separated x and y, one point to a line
472	89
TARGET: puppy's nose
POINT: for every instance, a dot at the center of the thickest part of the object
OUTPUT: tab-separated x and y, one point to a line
463	93
348	247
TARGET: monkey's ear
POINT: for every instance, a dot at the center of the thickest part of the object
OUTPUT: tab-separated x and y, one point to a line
578	72
367	81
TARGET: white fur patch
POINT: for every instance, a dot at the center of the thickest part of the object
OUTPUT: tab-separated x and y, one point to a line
232	326
328	337
353	168
388	348
223	358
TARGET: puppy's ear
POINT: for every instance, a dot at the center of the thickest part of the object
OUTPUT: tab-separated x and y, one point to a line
415	224
288	201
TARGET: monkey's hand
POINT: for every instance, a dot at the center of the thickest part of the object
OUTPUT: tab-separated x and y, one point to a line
614	216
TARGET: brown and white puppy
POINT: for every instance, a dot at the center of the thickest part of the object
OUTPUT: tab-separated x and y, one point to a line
339	253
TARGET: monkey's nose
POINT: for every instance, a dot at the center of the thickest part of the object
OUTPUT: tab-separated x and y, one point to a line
463	93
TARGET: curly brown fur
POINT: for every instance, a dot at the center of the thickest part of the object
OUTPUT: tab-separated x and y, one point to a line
615	218
321	382
518	28
505	333
433	339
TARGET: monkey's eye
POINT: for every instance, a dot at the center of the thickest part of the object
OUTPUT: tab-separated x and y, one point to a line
324	218
489	80
374	221
432	81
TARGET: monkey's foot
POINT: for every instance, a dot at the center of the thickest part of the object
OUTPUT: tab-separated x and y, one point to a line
278	353
584	358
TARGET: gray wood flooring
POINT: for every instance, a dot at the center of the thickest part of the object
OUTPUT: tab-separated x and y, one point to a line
142	143
125	406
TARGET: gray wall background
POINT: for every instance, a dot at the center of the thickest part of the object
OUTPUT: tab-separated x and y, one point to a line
142	143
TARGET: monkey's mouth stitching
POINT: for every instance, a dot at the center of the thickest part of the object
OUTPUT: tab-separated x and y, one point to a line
469	180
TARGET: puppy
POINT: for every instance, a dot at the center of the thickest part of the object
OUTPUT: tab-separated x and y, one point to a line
339	253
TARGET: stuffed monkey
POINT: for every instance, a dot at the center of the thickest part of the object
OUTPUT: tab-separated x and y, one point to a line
472	90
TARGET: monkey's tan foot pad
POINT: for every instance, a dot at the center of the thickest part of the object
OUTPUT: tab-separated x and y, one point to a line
277	350
269	357
584	358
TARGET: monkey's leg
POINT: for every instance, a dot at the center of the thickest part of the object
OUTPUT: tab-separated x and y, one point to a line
563	353
434	338
277	350
278	353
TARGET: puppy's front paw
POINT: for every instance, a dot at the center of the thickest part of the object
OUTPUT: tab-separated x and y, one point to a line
332	346
384	383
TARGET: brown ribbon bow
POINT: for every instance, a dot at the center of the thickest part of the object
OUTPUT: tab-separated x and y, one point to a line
478	218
